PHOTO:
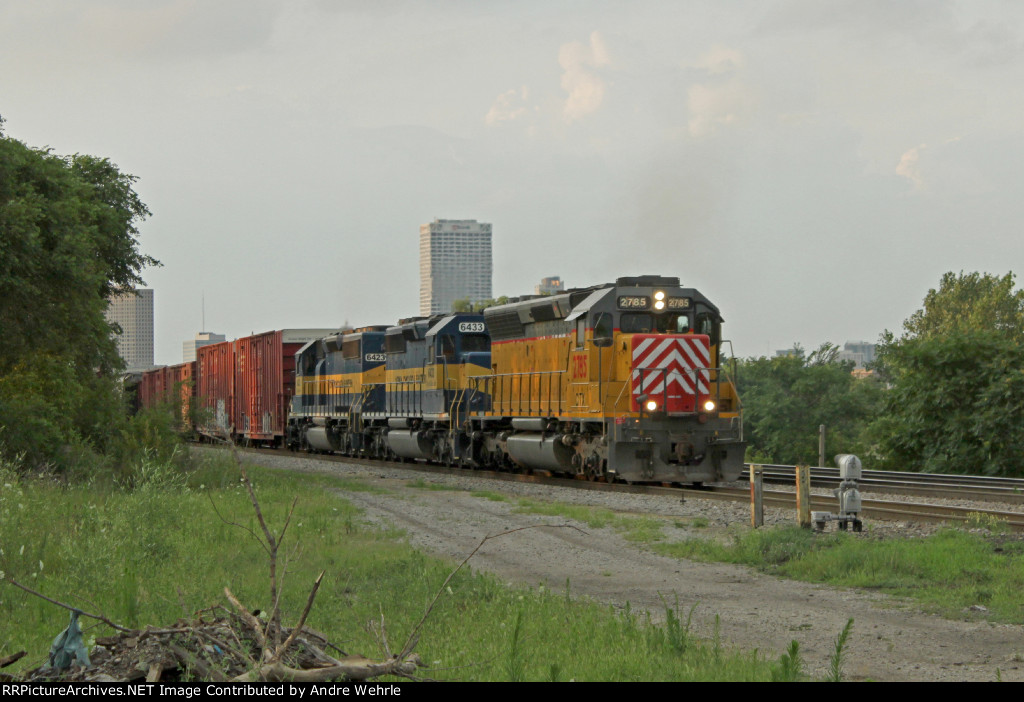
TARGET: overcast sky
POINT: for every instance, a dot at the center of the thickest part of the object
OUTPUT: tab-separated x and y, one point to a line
812	166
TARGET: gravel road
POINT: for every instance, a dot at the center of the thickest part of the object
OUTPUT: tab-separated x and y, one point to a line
892	640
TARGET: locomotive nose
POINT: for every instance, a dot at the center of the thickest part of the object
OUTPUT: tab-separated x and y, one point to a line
669	373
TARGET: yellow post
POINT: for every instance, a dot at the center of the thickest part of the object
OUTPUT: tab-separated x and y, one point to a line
803	496
756	496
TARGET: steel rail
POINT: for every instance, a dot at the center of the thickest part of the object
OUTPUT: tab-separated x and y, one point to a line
888	509
969	487
871	508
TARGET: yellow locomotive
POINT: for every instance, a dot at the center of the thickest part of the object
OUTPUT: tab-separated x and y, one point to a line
619	381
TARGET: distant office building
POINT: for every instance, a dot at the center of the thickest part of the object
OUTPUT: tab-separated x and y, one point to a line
550	286
860	352
133	311
188	348
455	263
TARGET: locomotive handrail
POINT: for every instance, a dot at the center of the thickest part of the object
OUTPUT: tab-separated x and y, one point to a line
496	382
407	396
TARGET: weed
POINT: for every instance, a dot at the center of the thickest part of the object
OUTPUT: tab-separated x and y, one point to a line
640	529
835	662
990	522
424	485
678	634
717	638
515	667
789	667
488	495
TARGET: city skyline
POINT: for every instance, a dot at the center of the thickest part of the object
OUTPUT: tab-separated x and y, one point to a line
813	167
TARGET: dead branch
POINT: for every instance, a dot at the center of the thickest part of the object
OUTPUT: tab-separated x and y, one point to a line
236	524
249	619
271	546
13	658
100	617
302	620
192	662
351	669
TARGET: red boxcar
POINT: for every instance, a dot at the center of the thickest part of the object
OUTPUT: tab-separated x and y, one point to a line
152	388
182	377
265	381
215	389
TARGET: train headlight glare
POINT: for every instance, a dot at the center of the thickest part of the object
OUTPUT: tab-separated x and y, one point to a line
659	295
651	405
709	406
659	305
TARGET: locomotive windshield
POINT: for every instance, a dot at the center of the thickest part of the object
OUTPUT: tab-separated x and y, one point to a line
476	342
470	342
646	323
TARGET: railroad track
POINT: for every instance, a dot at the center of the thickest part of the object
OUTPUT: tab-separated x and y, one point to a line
871	508
978	488
890	510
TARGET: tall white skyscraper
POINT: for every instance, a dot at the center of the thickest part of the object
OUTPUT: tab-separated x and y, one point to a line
134	312
455	263
188	348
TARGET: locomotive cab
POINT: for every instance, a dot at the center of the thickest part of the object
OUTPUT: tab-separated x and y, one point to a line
619	381
339	378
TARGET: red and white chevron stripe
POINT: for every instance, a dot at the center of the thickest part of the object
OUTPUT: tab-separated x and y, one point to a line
667	366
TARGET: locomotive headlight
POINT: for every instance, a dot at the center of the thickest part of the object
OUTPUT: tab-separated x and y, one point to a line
659	304
659	295
651	405
709	406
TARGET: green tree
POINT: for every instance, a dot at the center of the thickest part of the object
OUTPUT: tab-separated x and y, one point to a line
956	405
786	399
68	239
956	376
464	304
968	303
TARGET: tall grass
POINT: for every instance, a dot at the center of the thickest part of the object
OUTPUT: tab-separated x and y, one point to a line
947	572
156	550
835	662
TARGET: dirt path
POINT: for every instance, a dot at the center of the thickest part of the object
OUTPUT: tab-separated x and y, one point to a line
891	640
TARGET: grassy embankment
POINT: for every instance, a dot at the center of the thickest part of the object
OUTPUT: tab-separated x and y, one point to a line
946	573
159	551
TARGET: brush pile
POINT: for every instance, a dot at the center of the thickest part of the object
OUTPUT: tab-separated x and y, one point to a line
220	645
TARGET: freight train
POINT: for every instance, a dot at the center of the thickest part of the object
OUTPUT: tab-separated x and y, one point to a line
617	382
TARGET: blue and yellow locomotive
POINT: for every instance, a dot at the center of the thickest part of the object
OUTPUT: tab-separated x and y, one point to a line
619	381
338	380
385	392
